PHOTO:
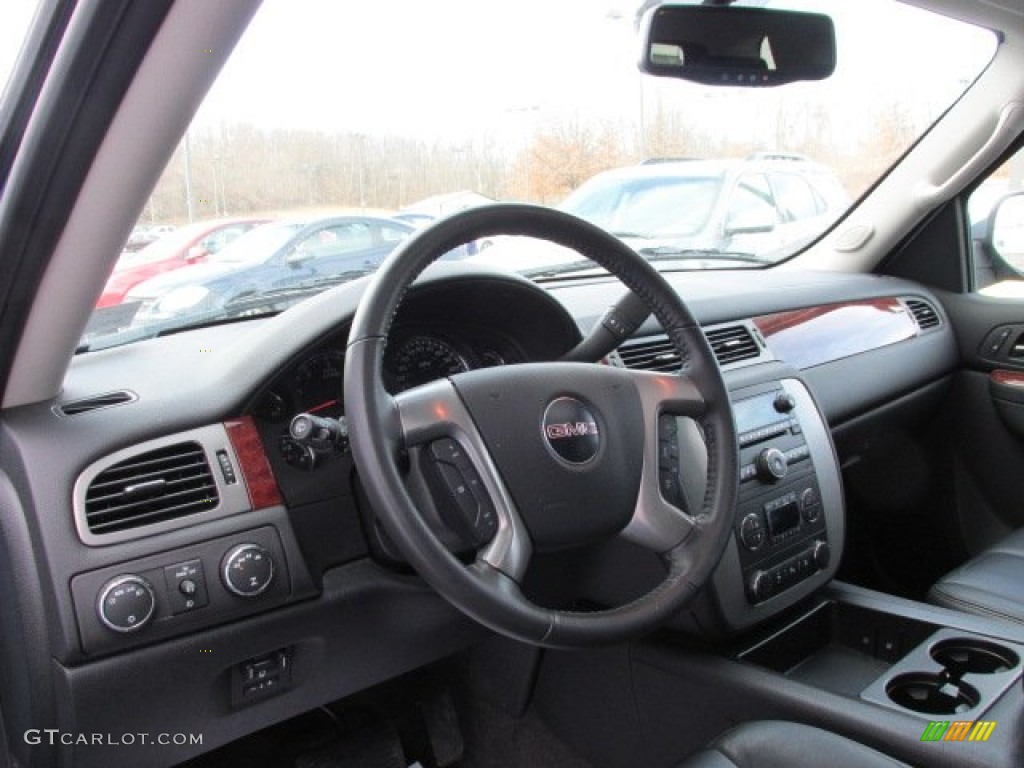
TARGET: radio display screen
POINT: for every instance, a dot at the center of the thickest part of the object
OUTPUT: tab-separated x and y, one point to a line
783	518
756	412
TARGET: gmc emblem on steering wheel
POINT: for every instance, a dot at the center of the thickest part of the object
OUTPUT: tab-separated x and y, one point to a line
570	430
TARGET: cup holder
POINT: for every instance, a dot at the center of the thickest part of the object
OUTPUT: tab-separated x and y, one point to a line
931	694
969	656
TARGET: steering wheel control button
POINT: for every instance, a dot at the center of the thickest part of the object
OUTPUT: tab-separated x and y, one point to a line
771	465
571	431
126	603
753	532
247	570
449	451
459	493
186	586
668	459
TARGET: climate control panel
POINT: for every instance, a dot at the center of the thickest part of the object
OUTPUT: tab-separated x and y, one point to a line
163	595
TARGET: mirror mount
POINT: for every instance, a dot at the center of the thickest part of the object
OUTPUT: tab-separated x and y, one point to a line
726	45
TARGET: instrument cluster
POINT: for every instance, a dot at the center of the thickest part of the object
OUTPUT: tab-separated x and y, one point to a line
415	356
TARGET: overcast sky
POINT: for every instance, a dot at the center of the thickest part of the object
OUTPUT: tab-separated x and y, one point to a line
459	70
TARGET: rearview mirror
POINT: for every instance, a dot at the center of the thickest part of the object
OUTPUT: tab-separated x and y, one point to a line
737	46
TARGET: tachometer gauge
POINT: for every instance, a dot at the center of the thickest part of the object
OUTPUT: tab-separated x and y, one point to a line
318	384
272	406
420	359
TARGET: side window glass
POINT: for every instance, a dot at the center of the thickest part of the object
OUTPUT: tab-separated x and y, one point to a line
995	214
795	197
392	234
214	242
751	207
337	240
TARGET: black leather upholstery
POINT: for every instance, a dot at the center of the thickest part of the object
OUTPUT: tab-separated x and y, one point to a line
777	744
990	584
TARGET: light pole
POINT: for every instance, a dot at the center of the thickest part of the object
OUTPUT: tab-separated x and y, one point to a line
188	177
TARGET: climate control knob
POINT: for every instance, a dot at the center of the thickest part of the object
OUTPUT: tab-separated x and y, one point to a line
126	603
821	554
247	570
771	465
759	586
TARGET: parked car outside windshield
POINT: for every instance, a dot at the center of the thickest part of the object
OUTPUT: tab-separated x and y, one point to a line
190	244
263	269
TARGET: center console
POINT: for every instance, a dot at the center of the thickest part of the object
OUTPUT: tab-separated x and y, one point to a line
789	517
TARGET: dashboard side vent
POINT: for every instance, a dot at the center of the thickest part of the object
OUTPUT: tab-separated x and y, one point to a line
151	487
732	343
924	314
96	402
656	354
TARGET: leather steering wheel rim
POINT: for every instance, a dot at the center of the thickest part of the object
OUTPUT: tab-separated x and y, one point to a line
382	428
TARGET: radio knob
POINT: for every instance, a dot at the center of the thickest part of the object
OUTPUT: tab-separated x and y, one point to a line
822	554
784	402
771	465
247	570
126	603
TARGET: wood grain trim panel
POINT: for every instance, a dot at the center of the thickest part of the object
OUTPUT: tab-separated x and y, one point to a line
817	335
1008	378
255	469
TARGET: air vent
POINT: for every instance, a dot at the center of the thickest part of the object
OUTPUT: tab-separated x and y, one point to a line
732	343
96	402
924	313
652	355
149	488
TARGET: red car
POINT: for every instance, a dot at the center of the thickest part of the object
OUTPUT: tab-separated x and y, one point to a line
189	244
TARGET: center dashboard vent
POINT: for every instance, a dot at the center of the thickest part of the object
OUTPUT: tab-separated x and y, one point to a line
731	344
651	355
924	314
152	487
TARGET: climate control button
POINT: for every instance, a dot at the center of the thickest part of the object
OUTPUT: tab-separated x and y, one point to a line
126	603
247	570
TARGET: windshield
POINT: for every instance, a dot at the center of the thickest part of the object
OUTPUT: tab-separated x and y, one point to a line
330	109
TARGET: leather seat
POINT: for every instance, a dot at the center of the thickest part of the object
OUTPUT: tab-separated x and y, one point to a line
989	584
778	744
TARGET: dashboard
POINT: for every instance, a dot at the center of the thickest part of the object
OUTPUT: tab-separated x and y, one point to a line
326	586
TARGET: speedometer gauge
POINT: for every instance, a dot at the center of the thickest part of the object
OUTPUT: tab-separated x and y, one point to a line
420	359
318	384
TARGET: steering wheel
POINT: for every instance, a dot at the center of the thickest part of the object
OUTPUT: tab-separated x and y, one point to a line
559	453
